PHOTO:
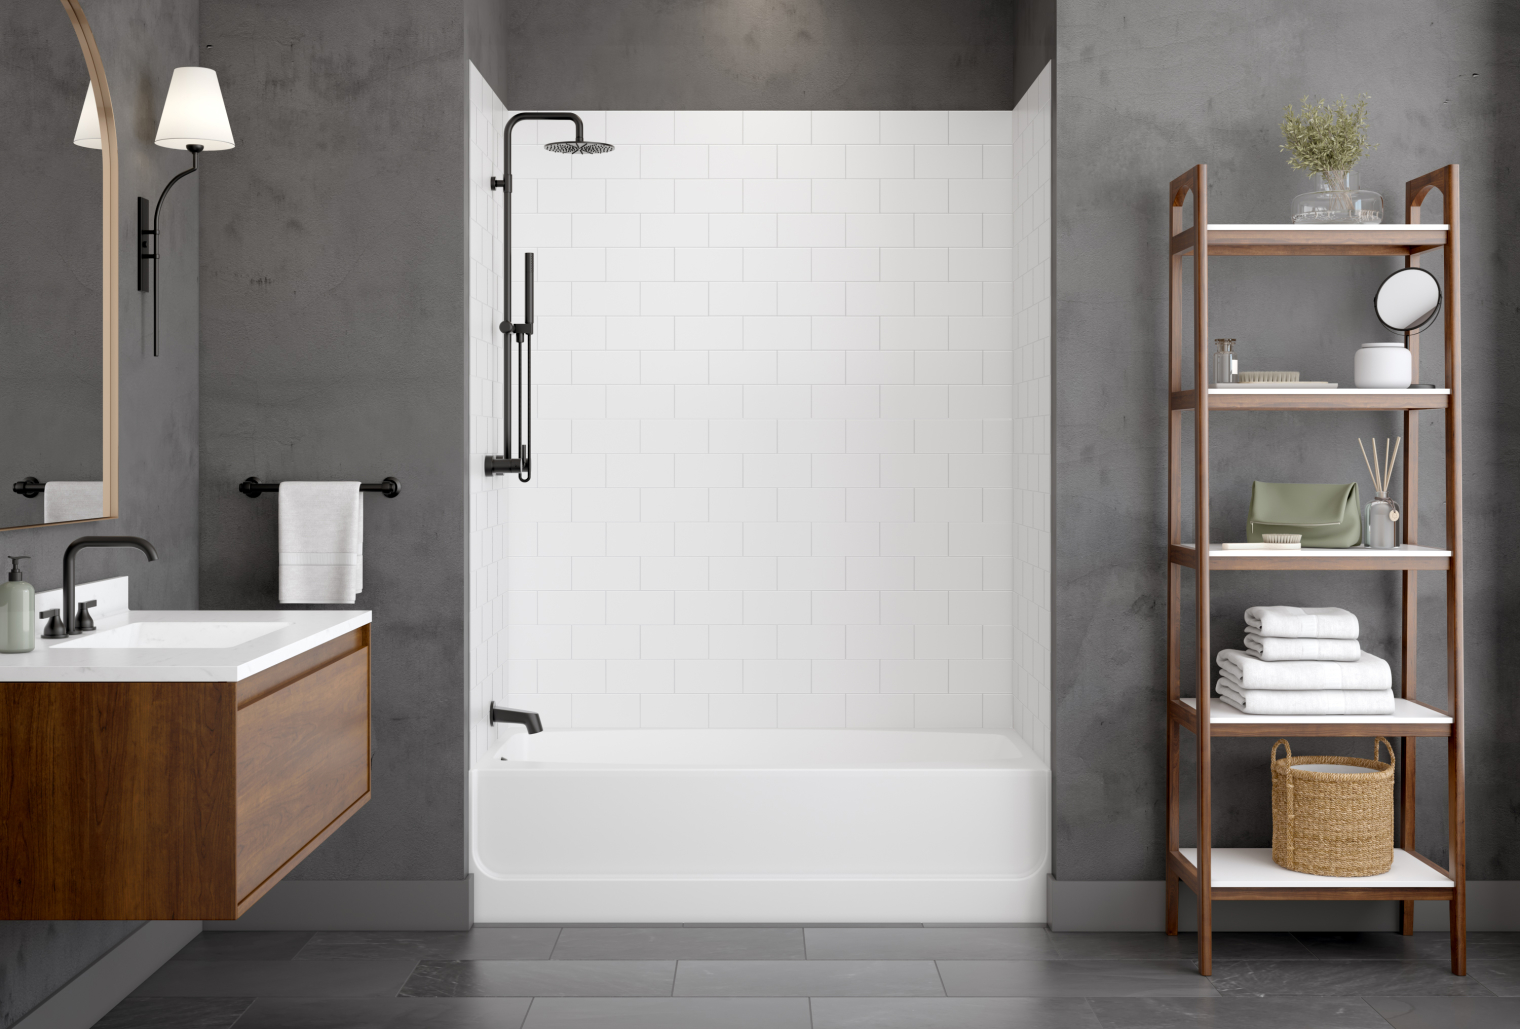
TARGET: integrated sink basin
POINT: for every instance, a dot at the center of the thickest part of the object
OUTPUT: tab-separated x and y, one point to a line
174	636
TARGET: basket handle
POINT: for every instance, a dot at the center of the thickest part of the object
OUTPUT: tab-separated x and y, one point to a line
1385	743
1289	748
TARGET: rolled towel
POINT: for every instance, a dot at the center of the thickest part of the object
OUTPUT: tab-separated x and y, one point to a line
1326	623
1245	672
1280	648
1308	702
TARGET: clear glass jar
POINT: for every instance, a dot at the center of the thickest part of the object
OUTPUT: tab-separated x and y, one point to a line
1338	202
1225	367
1380	523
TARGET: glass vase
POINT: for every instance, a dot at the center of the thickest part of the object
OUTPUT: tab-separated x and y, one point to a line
1225	367
1380	523
1338	201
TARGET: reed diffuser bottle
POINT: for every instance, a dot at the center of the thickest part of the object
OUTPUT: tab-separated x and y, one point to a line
1226	367
1381	517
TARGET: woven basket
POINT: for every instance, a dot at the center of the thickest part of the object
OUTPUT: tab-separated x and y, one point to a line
1332	823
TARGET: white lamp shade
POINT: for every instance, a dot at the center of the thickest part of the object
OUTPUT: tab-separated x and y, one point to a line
87	133
194	112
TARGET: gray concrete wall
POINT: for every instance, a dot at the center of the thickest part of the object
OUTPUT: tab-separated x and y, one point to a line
773	55
1144	92
333	282
141	42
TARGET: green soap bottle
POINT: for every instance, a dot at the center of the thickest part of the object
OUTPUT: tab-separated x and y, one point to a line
18	612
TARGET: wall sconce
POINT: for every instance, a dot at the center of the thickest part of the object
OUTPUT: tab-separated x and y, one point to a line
194	118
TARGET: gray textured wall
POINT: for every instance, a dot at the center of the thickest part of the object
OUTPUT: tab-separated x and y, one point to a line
333	285
1144	92
771	55
141	42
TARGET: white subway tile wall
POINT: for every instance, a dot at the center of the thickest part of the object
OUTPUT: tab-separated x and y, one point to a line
787	470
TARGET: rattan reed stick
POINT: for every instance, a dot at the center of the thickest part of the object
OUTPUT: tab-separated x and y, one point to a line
1367	459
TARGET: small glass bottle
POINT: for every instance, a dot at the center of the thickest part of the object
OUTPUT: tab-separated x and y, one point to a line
1380	523
1225	367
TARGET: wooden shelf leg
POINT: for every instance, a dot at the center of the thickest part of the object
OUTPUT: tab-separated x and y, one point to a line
1173	892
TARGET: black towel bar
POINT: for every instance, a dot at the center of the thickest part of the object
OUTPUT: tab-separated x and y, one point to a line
251	487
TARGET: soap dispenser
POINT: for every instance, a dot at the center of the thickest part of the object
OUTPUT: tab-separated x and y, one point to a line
18	612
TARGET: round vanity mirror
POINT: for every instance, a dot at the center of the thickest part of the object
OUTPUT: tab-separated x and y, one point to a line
1408	300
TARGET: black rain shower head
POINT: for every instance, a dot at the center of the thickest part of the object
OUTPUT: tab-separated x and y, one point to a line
575	146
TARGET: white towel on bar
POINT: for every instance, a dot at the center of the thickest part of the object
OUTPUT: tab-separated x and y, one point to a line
1326	623
1308	702
71	501
1281	648
1245	672
321	542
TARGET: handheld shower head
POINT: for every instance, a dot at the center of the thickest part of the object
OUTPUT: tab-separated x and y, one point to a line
576	146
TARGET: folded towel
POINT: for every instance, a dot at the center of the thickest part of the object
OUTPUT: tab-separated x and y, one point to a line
1245	672
1326	623
71	501
1279	648
1308	702
321	542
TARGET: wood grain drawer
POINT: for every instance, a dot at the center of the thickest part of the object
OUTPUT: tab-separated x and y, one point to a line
178	800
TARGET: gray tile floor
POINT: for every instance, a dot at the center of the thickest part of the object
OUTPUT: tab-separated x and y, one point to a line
823	977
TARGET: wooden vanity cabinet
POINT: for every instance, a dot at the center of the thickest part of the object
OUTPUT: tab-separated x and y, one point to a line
178	800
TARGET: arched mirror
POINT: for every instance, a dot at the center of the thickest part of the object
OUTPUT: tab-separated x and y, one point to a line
58	269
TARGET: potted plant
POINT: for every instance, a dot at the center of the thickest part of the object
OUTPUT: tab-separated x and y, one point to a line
1326	141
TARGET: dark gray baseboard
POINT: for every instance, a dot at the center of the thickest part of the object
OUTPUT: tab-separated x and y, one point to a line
83	1000
336	905
1140	906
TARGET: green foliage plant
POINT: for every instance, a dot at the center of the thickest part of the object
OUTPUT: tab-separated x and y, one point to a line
1321	139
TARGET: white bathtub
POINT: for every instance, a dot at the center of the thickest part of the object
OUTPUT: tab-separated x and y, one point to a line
760	825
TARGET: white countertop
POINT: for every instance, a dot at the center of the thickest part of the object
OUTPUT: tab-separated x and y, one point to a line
303	631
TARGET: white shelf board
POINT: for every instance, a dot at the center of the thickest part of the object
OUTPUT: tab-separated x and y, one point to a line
1251	391
1370	553
1405	712
1253	867
1290	227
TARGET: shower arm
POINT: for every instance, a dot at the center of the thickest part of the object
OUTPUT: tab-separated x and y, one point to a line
521	464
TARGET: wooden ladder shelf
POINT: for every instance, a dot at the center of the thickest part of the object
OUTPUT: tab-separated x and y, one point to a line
1216	873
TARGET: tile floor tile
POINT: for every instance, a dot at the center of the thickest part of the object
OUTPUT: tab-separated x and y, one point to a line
1500	975
1448	1012
1227	946
657	944
929	943
175	1013
389	1013
278	979
1236	1013
243	946
1373	946
807	979
541	979
953	1013
668	1013
1136	978
512	944
1342	978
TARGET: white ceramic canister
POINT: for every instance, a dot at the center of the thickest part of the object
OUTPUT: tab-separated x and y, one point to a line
1383	366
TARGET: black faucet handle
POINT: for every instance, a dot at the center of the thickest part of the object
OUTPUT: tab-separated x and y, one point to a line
82	621
54	629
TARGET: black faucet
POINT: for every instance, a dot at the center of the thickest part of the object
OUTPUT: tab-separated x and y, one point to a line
84	543
506	714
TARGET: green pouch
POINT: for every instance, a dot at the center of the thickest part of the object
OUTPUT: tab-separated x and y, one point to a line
1324	514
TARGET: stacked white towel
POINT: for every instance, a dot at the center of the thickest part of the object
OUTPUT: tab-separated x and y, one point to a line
1304	661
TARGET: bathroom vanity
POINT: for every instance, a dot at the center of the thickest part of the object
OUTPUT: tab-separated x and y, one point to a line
178	764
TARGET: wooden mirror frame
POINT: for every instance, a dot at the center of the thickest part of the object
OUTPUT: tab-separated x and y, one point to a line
110	270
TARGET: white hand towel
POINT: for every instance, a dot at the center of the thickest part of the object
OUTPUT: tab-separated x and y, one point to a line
1280	648
1368	672
321	542
71	501
1326	623
1308	702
